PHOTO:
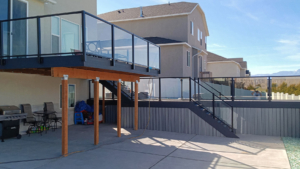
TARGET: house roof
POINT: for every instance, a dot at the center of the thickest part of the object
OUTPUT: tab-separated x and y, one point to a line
211	57
155	11
160	40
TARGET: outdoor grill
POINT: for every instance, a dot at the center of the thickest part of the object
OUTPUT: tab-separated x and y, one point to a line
10	121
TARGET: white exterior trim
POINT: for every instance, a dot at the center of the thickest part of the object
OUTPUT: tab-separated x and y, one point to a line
153	17
173	44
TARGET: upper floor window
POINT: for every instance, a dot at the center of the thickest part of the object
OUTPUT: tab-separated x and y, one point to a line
188	56
205	42
201	38
192	27
199	35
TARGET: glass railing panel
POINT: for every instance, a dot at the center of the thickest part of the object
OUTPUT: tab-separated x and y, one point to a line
175	89
286	89
98	38
61	35
149	89
206	98
223	111
123	45
140	51
254	88
219	86
19	38
153	56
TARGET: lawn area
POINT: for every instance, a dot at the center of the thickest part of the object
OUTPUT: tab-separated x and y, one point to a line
292	146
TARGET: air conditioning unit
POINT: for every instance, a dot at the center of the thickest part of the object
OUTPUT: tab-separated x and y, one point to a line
49	1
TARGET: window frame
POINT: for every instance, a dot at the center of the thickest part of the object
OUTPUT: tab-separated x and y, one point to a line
199	32
188	55
60	100
192	28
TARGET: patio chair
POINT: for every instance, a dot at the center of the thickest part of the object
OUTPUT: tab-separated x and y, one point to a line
49	106
30	119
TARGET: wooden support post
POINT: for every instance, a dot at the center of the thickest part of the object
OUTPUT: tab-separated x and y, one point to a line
96	111
64	90
136	106
103	104
119	109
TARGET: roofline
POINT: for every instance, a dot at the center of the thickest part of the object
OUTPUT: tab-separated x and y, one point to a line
163	16
173	44
230	61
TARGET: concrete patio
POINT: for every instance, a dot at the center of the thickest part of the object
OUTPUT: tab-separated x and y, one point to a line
154	149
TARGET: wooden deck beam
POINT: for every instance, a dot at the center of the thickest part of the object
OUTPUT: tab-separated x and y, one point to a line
91	74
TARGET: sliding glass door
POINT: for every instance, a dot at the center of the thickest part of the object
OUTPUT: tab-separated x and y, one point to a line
4	15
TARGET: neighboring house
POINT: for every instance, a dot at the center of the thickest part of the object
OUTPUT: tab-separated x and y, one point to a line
219	66
180	29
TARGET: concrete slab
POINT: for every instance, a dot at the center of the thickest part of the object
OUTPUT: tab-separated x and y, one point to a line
154	149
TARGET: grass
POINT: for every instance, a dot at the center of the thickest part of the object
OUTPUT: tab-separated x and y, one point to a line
292	146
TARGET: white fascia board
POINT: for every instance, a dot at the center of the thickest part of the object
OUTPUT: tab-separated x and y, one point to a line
153	17
173	44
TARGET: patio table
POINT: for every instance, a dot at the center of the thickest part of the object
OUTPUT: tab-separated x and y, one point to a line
44	115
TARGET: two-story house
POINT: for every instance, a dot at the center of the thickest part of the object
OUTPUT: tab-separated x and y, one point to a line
180	29
51	49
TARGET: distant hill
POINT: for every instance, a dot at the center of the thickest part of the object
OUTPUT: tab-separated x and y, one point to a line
282	73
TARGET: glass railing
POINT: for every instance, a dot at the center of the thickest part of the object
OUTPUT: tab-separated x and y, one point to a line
220	86
75	33
216	106
252	88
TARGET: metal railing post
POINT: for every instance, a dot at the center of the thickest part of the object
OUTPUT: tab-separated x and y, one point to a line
190	88
232	119
113	45
1	44
198	94
133	60
270	88
148	60
83	36
39	51
159	87
232	89
159	61
181	87
213	102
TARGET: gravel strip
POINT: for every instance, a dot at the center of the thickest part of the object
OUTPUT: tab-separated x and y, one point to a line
292	146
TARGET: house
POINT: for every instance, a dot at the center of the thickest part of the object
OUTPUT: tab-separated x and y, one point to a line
51	49
226	67
180	29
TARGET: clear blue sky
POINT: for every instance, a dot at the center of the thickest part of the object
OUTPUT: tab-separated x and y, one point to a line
266	33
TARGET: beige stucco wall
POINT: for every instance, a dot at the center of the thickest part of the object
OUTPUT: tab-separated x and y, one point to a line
223	69
171	61
17	89
167	27
196	18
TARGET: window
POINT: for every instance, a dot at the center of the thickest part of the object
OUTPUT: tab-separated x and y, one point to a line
192	28
71	96
200	38
199	35
188	58
205	42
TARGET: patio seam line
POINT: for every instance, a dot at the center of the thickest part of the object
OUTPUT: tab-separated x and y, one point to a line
133	151
46	163
226	163
172	151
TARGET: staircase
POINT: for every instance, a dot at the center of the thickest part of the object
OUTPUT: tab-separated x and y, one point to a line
212	109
